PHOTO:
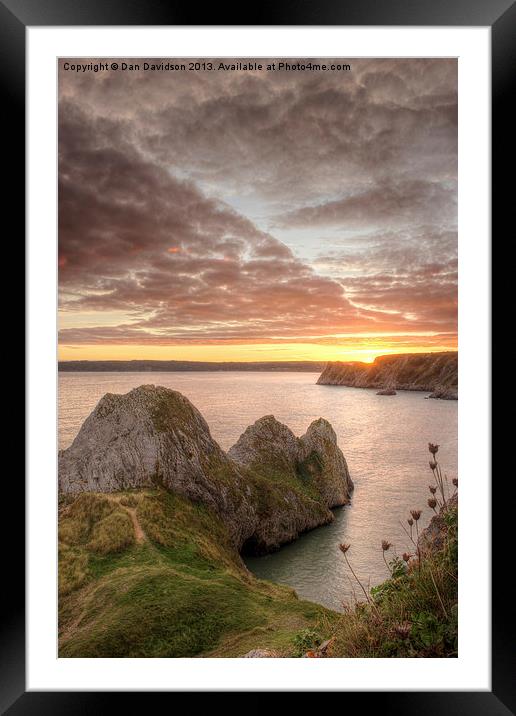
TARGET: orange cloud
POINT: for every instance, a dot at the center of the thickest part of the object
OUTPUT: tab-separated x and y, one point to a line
214	170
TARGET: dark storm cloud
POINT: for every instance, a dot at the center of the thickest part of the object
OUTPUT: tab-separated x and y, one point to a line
150	161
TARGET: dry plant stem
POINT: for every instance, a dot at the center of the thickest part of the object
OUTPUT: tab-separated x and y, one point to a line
357	579
437	592
431	573
408	535
443	491
361	585
386	563
438	477
418	550
451	575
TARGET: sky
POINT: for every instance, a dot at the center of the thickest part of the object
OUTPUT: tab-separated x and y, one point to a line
258	215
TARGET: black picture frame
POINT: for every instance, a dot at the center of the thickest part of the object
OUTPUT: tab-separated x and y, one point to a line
500	15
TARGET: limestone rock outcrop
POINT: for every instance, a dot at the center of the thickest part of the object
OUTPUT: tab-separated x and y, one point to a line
297	480
154	437
269	487
271	449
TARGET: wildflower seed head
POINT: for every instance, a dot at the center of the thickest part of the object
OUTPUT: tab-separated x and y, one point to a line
432	489
433	448
432	502
432	464
455	482
410	521
344	547
416	514
403	630
406	556
386	545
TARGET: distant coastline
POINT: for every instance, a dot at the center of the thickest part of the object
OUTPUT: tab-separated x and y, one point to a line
436	373
169	366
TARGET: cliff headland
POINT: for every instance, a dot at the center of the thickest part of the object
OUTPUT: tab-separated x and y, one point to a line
154	516
436	373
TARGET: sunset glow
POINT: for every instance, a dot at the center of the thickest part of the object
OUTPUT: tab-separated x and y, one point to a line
241	353
254	216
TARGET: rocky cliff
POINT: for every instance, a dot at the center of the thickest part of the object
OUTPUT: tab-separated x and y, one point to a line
436	373
433	537
315	460
269	488
154	437
296	480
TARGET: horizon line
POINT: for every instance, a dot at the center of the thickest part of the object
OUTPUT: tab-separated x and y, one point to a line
286	360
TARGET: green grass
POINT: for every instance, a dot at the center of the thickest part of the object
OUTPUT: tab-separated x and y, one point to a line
76	522
184	528
413	614
129	500
112	534
155	610
97	523
271	482
182	592
73	569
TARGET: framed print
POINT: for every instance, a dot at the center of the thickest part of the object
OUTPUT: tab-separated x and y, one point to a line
258	270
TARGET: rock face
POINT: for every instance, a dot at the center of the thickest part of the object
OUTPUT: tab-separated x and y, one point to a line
297	480
260	654
154	437
432	538
150	436
430	372
269	488
271	449
444	393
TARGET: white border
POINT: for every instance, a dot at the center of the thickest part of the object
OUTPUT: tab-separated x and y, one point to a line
471	671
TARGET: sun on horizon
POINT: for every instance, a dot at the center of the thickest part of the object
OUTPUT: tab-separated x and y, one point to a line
236	354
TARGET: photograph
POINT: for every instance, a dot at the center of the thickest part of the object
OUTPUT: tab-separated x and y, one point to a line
258	357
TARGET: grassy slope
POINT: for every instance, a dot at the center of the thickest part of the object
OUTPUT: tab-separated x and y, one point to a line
413	614
181	591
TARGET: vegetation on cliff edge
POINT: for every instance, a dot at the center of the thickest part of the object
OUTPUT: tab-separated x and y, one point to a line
147	573
414	613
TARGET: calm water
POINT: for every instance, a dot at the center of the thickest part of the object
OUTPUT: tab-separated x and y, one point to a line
384	439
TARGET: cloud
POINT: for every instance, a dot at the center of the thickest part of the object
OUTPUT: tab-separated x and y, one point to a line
282	135
386	204
153	170
132	237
